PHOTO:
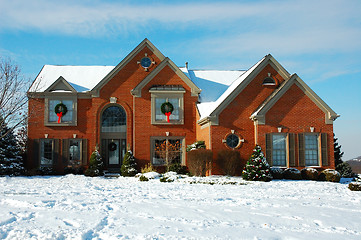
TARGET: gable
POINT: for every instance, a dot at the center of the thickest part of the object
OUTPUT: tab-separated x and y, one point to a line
137	91
144	44
260	114
60	85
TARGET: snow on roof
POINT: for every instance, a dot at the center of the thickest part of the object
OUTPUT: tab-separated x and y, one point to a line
207	108
81	78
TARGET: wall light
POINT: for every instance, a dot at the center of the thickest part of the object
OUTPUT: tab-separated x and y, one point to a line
279	129
312	129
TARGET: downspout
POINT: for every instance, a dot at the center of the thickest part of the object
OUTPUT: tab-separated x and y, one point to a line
133	118
255	122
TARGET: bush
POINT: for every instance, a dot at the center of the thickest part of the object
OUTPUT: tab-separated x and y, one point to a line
143	178
257	168
166	179
199	161
345	170
229	161
128	168
355	186
74	170
292	173
329	175
45	171
276	172
148	168
309	174
196	145
95	165
178	168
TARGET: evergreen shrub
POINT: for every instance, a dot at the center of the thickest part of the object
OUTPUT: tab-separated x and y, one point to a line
257	168
276	172
309	174
199	161
354	186
292	174
95	165
128	168
178	168
345	170
143	178
329	175
229	161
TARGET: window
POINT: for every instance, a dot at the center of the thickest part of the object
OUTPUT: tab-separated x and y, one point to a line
232	141
167	150
114	120
163	94
74	152
69	119
279	150
311	150
46	152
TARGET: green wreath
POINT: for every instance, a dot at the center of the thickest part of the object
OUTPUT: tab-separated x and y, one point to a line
166	107
60	107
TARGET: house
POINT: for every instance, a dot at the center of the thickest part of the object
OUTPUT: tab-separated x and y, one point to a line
147	100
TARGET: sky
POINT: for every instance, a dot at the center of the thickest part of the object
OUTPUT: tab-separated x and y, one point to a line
318	40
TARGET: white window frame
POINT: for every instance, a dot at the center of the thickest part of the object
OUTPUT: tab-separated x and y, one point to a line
286	150
167	94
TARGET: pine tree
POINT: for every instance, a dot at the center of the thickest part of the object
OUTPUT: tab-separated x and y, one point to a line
95	165
11	162
257	168
128	168
337	151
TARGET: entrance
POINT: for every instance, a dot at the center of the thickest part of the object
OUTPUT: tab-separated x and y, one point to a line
113	136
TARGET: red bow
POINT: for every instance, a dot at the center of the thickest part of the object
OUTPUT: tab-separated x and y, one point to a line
167	114
59	116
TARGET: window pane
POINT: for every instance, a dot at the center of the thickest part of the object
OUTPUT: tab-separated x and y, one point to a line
74	152
279	150
311	150
164	149
159	116
46	151
68	117
114	119
159	151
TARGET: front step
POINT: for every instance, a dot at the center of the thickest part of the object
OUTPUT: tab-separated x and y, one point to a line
110	174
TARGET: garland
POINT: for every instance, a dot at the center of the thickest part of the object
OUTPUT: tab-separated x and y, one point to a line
60	110
167	109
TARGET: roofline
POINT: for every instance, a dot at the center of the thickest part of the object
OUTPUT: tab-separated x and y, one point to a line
137	91
61	79
260	114
125	61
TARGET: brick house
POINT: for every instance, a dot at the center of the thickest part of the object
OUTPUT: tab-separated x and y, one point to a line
122	107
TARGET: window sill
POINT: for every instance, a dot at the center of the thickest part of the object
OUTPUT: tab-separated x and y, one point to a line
59	124
168	123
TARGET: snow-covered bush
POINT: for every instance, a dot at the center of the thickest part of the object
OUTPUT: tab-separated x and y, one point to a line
257	168
292	173
345	170
199	161
178	168
11	162
229	161
143	178
129	165
355	186
309	174
95	165
329	175
196	145
276	172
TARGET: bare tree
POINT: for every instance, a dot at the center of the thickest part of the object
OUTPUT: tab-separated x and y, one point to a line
13	98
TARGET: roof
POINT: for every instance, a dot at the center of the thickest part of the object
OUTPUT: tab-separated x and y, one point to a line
81	78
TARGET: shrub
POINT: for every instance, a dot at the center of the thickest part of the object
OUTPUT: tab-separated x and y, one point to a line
309	174
128	168
95	165
45	171
143	178
178	168
329	175
166	179
292	173
196	145
74	170
345	170
199	161
276	172
148	168
229	161
257	168
355	186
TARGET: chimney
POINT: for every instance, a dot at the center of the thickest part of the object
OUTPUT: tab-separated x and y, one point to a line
186	65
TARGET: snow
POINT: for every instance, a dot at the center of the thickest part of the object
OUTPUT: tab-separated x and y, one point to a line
81	78
78	207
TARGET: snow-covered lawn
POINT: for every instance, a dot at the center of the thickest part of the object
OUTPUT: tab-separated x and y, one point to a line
78	207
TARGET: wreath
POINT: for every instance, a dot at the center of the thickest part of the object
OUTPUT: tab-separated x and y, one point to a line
112	146
167	109
60	110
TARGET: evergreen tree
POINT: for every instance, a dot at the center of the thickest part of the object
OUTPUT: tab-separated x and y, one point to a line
11	162
95	165
337	151
128	168
257	168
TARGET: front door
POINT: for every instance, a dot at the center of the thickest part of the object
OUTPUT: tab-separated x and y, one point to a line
113	135
113	151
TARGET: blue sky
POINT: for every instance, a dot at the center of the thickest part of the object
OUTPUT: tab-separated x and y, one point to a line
318	40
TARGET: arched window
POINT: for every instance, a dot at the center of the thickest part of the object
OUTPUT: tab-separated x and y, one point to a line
269	81
114	119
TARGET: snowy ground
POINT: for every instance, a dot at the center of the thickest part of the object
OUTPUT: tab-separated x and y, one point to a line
78	207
